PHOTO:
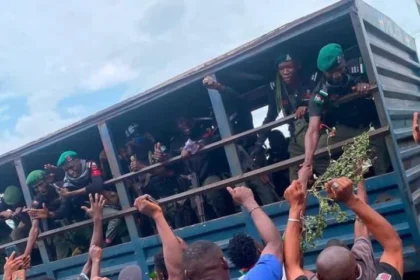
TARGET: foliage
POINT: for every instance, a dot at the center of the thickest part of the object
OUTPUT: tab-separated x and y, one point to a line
356	156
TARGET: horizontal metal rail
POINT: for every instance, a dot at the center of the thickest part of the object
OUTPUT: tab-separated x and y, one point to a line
214	186
229	140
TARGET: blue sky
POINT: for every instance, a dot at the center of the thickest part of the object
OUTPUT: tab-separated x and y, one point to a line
62	61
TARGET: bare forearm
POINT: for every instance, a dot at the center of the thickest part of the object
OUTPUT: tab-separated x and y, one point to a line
292	245
32	237
97	232
311	142
172	251
360	229
78	192
263	223
96	269
380	228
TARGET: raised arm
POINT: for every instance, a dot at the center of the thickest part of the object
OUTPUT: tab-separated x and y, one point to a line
360	229
95	212
295	195
32	237
342	190
172	251
265	227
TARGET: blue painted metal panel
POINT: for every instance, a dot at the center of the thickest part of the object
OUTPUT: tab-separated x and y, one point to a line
391	59
221	230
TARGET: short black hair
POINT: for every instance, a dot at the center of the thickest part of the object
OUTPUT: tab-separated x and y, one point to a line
242	251
201	257
336	242
159	262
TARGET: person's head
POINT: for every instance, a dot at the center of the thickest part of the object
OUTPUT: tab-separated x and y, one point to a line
13	196
185	125
277	140
160	267
71	164
337	263
243	251
137	142
288	68
131	272
203	260
40	181
331	62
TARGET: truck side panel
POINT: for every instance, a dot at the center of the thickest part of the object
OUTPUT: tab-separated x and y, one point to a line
392	62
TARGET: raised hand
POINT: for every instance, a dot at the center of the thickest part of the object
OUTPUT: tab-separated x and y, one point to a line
145	206
210	83
12	265
242	195
158	155
340	189
96	206
39	213
295	194
95	253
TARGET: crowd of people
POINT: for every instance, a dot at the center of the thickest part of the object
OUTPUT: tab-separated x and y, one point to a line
65	191
278	258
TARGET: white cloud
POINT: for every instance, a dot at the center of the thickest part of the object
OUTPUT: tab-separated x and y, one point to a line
77	110
109	75
55	51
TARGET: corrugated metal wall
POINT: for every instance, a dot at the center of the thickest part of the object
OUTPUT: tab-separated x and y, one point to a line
394	65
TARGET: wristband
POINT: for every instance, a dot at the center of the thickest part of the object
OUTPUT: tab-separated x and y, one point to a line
255	208
294	220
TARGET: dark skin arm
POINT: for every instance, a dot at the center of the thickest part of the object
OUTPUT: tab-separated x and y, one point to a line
342	190
265	226
95	186
311	142
32	237
295	195
95	212
172	249
360	229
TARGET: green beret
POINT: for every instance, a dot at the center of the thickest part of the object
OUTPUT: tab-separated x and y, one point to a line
12	195
283	58
329	57
66	157
35	177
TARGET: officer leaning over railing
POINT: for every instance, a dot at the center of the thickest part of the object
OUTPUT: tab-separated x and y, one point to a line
344	121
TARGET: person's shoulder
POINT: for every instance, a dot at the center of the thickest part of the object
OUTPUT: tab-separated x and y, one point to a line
267	267
385	271
313	80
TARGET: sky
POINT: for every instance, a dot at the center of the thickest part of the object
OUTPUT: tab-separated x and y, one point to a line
63	61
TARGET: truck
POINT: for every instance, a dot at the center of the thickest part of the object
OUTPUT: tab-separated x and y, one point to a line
390	59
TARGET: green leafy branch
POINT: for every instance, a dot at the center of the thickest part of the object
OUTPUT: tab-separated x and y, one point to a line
356	156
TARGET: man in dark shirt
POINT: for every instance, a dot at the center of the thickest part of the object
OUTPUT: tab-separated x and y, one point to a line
345	121
291	96
277	153
337	262
208	167
11	206
47	204
237	110
83	177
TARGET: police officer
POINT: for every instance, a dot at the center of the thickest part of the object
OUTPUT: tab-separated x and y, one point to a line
291	95
83	177
48	205
349	119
